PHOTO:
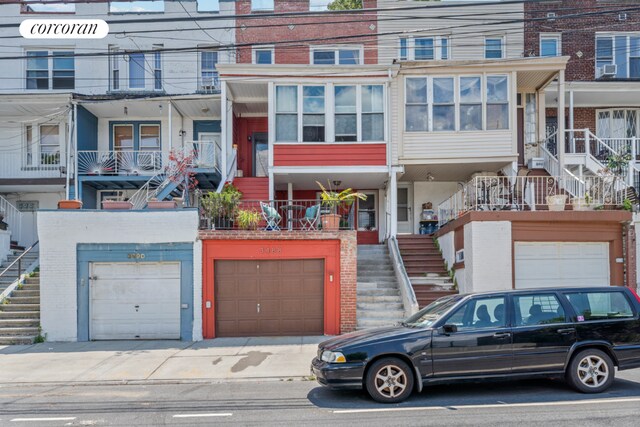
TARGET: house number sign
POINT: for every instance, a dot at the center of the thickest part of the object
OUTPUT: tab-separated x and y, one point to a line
270	250
135	256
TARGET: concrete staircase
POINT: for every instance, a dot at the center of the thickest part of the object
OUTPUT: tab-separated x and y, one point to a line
20	313
425	267
10	276
378	298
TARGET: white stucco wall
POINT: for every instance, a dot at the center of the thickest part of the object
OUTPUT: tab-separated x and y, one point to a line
60	232
488	258
448	249
434	192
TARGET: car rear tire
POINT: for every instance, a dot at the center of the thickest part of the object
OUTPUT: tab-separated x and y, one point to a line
591	371
389	380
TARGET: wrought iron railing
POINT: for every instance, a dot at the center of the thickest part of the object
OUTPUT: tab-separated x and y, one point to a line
530	193
279	215
13	218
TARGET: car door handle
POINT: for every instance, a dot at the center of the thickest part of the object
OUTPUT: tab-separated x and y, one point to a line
566	331
502	334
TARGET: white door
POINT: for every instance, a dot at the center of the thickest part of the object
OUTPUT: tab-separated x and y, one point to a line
404	210
134	300
208	152
553	264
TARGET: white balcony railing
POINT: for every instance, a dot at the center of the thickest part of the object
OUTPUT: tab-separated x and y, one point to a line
206	155
14	165
529	193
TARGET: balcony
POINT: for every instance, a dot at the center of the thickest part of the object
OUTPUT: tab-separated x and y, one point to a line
205	156
278	215
17	165
531	193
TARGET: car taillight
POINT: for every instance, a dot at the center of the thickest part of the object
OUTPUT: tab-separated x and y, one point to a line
635	294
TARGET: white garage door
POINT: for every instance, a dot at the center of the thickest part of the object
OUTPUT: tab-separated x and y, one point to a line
552	264
135	301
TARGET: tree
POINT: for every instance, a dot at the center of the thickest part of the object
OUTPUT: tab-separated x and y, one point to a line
345	5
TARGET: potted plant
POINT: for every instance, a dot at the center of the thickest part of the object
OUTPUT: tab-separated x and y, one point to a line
179	169
161	204
334	199
557	202
69	204
247	219
117	205
221	207
582	203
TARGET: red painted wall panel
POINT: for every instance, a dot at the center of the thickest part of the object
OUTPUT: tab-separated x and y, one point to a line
329	154
243	128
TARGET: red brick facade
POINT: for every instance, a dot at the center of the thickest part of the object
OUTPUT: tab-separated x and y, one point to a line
308	30
346	279
578	32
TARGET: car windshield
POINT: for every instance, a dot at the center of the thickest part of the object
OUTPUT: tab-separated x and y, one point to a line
431	313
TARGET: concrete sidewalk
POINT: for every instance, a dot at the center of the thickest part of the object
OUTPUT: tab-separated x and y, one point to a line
158	361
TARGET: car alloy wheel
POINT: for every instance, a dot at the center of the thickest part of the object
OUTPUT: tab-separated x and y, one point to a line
591	371
389	380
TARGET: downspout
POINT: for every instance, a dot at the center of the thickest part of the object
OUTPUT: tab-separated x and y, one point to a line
75	156
389	138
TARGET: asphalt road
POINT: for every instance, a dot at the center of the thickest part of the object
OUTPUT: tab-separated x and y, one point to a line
297	402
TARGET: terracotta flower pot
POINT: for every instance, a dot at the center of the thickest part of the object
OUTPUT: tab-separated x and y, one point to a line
116	205
330	222
69	204
162	204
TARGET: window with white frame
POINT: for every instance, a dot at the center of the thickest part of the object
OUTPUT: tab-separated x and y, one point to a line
42	145
367	220
208	78
357	113
621	50
423	48
263	55
135	71
617	123
140	6
494	47
313	114
550	45
261	5
39	6
337	55
53	69
431	103
208	6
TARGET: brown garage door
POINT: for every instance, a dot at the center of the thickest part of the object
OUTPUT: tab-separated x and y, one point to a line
267	298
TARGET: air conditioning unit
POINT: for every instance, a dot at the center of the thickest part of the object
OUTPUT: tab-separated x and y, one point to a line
536	163
622	17
460	256
607	71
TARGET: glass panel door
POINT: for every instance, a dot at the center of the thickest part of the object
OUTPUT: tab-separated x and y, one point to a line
404	218
367	220
260	154
122	147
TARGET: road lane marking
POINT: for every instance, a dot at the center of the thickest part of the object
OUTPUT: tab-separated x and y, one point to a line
220	414
490	406
45	419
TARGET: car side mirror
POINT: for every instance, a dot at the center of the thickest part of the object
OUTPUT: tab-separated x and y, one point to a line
449	329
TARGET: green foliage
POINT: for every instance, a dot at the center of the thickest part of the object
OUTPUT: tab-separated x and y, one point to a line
345	5
627	205
5	301
40	338
616	163
333	199
248	219
223	204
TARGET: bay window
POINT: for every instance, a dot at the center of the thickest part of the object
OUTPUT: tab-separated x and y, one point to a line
328	113
621	50
446	104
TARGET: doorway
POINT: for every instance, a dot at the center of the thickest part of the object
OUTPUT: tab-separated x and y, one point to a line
260	154
404	211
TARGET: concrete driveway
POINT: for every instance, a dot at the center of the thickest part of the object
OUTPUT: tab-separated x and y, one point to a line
158	361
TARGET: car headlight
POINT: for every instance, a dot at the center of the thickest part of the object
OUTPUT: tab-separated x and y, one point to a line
333	357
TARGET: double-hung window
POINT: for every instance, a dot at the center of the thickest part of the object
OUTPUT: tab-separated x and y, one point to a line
423	48
313	114
340	56
208	72
50	70
494	48
42	145
372	112
446	104
287	113
550	45
621	50
157	70
263	55
346	113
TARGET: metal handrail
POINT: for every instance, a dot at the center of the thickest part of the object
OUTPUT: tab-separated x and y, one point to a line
19	261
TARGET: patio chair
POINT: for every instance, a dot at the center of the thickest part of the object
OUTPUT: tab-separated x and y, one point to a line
271	217
311	218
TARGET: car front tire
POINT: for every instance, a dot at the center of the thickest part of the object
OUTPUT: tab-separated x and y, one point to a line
389	380
591	371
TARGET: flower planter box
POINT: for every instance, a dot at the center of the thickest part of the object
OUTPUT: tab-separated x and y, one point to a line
557	203
330	222
162	204
116	205
69	204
